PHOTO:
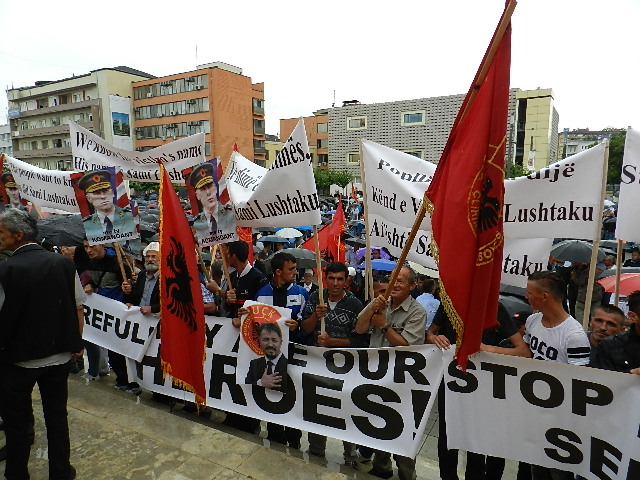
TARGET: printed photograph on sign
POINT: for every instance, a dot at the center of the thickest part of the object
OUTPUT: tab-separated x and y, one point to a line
262	355
213	218
104	205
9	190
121	124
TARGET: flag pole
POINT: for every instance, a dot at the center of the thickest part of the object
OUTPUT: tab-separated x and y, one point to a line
119	255
316	243
225	266
596	243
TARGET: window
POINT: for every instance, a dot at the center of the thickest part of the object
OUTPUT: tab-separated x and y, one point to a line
322	143
44	144
77	97
323	127
55	121
353	158
356	123
78	117
415	117
57	143
415	153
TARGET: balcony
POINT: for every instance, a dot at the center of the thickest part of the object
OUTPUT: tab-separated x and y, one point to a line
61	108
45	131
47	152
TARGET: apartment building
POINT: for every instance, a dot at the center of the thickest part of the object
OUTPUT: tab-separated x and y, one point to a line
100	101
421	127
215	99
5	139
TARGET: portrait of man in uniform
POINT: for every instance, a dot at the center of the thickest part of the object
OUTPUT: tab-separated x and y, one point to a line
107	217
11	189
213	217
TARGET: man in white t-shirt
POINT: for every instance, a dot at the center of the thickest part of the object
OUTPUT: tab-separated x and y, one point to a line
553	335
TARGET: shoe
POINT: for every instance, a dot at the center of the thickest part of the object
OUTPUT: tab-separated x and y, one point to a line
189	407
88	376
381	473
134	390
351	464
104	373
3	453
72	472
119	386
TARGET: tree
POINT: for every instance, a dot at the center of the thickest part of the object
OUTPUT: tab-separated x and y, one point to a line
342	178
144	188
616	151
324	178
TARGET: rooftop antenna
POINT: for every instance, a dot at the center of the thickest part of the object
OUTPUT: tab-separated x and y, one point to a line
334	99
196	54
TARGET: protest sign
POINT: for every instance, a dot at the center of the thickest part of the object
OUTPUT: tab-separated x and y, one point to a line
104	205
90	152
562	200
627	225
284	195
375	397
214	221
555	415
45	188
111	324
523	256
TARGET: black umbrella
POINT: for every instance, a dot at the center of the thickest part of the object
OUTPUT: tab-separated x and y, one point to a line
304	258
514	305
61	230
612	271
273	238
575	251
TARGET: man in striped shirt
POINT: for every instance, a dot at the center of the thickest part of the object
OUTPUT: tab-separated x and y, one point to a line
553	335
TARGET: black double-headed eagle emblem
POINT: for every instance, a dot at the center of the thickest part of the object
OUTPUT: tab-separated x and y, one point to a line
178	284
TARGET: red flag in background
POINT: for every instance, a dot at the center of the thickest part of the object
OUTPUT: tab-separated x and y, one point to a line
182	310
246	235
465	199
354	194
328	245
336	230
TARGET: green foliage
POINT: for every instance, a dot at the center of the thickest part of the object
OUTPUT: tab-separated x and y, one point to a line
144	188
616	151
342	178
326	178
517	170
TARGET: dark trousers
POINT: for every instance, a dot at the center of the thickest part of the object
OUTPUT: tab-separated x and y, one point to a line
16	387
479	467
118	364
93	355
284	435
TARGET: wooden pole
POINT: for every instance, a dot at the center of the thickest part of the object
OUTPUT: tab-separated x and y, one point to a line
225	266
596	243
368	282
119	255
201	264
316	244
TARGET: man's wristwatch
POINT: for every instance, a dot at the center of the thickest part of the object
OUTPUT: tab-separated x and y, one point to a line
384	329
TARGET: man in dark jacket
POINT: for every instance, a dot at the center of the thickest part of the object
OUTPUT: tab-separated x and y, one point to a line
40	328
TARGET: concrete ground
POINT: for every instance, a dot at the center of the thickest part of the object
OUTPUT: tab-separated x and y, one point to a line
116	435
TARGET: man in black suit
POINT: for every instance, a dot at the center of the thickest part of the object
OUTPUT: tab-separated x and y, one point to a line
41	317
269	371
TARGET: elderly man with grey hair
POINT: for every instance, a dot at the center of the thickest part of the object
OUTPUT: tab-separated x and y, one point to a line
40	329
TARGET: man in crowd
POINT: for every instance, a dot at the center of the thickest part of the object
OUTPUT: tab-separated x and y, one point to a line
107	218
634	261
282	291
39	293
621	352
428	301
580	277
340	317
307	281
553	335
396	323
606	320
270	370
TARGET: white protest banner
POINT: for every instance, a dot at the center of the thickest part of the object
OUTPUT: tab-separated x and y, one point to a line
396	182
560	201
284	195
572	418
627	225
45	188
90	152
523	256
375	397
112	325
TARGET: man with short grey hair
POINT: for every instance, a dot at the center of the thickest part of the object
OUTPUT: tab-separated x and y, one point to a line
41	317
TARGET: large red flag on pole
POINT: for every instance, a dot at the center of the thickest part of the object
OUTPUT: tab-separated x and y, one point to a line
465	199
181	307
336	231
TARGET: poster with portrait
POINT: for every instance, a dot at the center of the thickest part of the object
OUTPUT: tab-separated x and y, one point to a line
214	221
104	205
9	189
263	348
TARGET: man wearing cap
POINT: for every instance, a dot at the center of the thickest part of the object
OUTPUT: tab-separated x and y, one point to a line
307	282
213	217
108	218
11	187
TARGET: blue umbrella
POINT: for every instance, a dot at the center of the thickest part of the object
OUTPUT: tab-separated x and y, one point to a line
382	264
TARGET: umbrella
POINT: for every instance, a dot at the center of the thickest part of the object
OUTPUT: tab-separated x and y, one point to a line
360	253
382	264
514	305
62	230
629	283
608	203
575	251
304	258
612	244
274	239
288	232
623	270
422	270
359	241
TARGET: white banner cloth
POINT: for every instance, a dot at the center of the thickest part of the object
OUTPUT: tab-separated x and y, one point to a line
627	225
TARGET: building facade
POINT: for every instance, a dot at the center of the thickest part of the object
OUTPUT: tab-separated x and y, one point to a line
100	101
536	132
215	99
577	140
5	140
419	127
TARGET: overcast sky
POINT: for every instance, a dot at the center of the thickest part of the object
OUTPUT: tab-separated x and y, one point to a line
586	51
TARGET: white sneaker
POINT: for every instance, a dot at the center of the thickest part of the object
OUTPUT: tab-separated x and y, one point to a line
88	376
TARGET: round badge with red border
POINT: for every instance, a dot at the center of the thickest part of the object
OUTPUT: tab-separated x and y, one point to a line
258	313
